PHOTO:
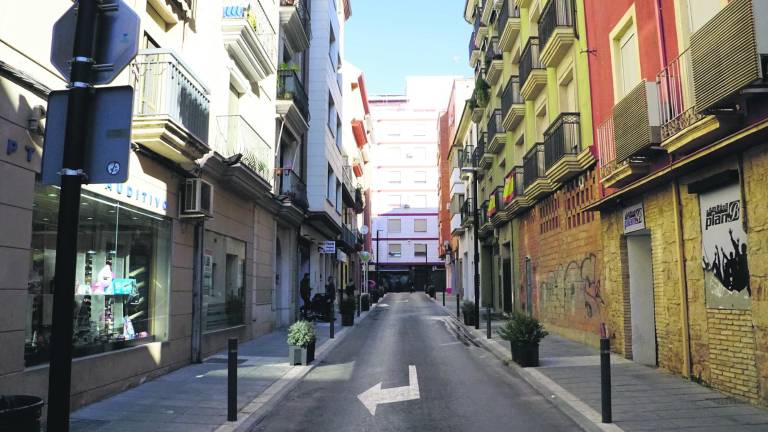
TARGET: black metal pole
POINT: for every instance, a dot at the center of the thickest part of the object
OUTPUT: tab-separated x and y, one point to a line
476	235
490	309
378	258
232	379
605	379
458	305
333	319
78	124
443	296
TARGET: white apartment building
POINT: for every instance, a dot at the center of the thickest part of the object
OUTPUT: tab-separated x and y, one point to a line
404	189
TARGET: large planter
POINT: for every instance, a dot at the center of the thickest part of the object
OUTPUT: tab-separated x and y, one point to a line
347	320
365	303
20	413
525	355
298	355
470	320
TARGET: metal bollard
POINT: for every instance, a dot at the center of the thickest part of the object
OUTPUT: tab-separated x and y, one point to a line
458	306
232	379
443	297
333	319
605	378
359	306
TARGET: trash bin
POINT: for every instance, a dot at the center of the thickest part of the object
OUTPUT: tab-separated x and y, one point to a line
20	413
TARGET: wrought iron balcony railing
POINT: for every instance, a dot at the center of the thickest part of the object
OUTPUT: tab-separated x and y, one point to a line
291	186
492	51
472	44
533	165
529	60
485	218
494	125
479	16
511	95
557	13
289	87
167	86
467	213
507	12
676	96
563	138
513	185
479	151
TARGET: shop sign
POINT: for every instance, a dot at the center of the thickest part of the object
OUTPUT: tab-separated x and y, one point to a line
141	196
634	218
328	247
724	249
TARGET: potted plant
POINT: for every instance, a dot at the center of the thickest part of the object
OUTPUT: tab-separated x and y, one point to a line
469	312
365	302
347	310
524	334
374	295
301	343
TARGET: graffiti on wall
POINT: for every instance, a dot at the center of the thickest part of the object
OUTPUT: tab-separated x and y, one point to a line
572	289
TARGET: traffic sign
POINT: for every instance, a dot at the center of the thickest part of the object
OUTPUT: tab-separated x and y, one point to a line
116	46
108	142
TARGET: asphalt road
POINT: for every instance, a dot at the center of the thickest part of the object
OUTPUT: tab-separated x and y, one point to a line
461	387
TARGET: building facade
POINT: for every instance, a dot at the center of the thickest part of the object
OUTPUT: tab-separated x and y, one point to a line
404	204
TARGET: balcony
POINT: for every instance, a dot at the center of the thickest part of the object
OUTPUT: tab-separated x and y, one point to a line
294	18
494	63
347	186
565	157
557	30
728	56
488	9
360	200
509	25
292	100
523	3
467	213
636	121
497	135
513	194
535	182
533	74
496	207
512	104
250	40
474	50
484	224
612	172
236	136
291	188
480	28
682	128
481	157
347	239
171	107
466	161
456	226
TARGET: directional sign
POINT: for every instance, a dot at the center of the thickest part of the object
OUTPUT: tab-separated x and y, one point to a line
376	396
109	139
116	46
328	247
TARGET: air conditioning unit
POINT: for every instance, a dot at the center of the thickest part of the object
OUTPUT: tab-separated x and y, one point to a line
197	199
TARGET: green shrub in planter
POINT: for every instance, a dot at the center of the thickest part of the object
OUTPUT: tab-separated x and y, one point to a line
301	340
347	310
365	302
524	334
469	312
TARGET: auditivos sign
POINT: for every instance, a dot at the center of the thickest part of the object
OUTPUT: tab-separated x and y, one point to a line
724	249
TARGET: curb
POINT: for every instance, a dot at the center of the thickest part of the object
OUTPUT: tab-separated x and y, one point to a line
250	415
582	414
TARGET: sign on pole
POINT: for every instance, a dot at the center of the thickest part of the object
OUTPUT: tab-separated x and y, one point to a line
108	140
116	46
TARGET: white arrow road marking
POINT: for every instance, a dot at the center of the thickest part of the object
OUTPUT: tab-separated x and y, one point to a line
401	301
375	395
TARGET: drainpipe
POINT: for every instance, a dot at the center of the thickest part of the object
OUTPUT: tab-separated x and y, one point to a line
197	293
686	328
662	34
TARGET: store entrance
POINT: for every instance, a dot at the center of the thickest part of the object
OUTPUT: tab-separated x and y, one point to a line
641	299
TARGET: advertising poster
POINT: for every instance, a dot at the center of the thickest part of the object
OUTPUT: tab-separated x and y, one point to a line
724	249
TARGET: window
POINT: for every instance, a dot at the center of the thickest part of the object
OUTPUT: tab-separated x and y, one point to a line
419	153
419	201
568	95
420	225
625	55
122	276
704	11
223	281
395	177
332	115
393	225
394	201
420	249
331	182
420	176
337	201
395	250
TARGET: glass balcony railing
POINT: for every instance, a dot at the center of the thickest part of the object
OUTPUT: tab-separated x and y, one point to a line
563	138
533	165
529	60
557	13
292	187
289	87
236	136
167	86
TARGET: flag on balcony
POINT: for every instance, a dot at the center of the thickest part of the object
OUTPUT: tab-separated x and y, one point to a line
509	188
492	206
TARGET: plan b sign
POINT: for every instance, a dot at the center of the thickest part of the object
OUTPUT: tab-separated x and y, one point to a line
634	218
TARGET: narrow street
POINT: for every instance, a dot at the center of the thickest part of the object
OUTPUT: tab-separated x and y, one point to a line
461	386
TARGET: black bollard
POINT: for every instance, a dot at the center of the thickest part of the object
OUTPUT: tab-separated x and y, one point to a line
333	319
443	297
458	306
232	380
358	305
605	378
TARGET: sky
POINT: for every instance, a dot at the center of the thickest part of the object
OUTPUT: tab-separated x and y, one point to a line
391	39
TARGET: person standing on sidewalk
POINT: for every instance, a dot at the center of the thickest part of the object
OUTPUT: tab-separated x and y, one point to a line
305	293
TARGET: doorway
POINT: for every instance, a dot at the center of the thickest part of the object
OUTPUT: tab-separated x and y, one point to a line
507	284
528	307
641	302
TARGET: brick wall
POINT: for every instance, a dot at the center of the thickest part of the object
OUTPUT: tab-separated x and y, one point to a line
564	244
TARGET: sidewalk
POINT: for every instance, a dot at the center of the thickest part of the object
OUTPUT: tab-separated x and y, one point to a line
194	398
644	398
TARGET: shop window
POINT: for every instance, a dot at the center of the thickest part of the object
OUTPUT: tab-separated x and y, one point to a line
223	281
122	276
395	250
420	225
